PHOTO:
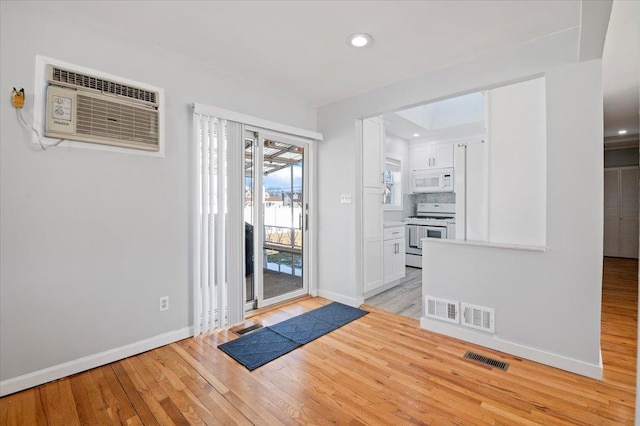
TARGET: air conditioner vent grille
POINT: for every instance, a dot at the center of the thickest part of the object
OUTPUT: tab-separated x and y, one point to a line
76	79
478	317
442	309
102	118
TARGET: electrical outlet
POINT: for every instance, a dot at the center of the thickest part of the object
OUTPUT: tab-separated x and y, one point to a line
345	198
164	303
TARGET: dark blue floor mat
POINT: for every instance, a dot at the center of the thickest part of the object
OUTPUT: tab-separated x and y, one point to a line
303	328
259	347
337	313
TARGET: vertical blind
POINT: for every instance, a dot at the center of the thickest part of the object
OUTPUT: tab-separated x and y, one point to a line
218	249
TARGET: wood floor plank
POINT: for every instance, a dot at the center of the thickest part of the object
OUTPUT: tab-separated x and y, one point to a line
90	403
243	389
21	409
119	405
207	400
134	394
59	404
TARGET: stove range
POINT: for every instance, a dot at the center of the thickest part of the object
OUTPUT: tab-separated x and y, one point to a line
435	214
433	220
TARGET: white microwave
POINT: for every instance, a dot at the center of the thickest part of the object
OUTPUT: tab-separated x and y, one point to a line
435	180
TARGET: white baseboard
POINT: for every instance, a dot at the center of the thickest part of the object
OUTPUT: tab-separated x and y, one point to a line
59	371
594	371
351	301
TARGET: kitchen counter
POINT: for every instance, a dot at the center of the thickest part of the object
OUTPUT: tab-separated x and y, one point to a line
488	244
391	224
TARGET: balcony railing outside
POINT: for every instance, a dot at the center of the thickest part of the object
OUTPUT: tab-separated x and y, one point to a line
283	249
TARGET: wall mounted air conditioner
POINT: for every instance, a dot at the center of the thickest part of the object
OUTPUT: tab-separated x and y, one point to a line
83	107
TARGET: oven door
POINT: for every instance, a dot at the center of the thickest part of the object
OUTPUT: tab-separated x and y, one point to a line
415	234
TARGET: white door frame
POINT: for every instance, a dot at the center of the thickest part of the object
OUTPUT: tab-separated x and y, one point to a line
309	228
258	237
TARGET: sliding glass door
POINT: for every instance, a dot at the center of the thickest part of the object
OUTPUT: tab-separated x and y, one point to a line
276	218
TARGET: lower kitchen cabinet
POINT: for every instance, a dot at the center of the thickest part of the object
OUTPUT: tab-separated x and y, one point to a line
394	251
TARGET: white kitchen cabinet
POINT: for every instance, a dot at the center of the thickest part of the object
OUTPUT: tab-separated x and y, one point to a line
373	238
372	203
394	254
372	152
621	212
434	156
442	155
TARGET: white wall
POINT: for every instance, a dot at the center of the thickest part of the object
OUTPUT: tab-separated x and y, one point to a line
90	240
563	284
517	170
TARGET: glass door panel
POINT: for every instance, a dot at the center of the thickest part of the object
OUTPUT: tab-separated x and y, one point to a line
275	218
250	144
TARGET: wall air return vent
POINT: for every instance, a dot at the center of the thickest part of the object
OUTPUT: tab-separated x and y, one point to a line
87	108
478	317
77	80
441	309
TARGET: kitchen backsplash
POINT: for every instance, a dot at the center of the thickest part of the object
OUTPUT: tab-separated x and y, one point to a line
410	201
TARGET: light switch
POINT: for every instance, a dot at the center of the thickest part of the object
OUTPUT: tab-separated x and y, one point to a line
345	198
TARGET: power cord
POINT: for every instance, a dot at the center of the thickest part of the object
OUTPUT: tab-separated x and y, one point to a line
17	100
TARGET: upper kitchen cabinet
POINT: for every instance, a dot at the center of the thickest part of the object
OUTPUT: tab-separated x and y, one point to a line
432	156
372	152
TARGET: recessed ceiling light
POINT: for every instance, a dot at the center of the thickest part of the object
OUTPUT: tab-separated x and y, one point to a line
622	132
359	40
415	135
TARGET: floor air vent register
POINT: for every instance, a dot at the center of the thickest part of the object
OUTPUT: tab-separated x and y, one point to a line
483	360
248	329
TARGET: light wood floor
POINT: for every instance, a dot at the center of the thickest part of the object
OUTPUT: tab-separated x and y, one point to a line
379	369
405	298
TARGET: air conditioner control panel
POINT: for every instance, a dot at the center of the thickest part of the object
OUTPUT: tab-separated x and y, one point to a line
60	111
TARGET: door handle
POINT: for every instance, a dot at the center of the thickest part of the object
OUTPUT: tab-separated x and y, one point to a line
434	161
382	180
429	162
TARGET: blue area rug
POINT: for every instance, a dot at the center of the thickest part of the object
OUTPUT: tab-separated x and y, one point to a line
259	347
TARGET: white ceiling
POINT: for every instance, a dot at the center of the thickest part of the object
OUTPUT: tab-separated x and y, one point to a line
299	47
